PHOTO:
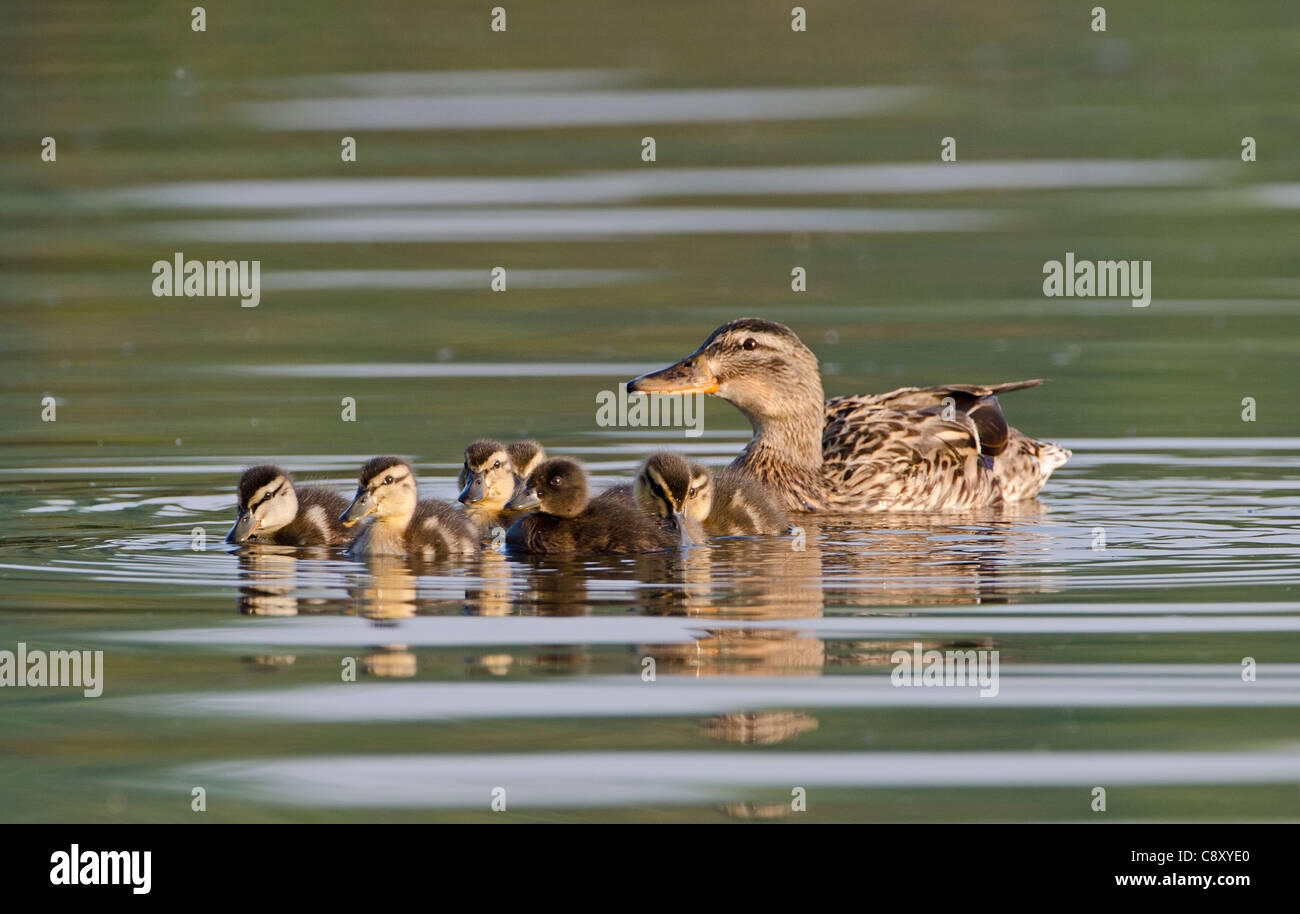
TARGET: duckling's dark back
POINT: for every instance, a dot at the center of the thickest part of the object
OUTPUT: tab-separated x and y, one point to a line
612	523
317	522
438	529
743	507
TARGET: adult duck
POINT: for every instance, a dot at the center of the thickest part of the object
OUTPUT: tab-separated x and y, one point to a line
912	449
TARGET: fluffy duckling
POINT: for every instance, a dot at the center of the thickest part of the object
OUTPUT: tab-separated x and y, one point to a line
402	524
677	493
273	511
569	520
492	474
742	507
691	502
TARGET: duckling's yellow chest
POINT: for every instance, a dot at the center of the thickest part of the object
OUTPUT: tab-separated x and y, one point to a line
380	538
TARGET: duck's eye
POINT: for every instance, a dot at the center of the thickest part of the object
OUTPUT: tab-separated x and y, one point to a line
555	481
497	465
691	494
388	480
658	490
750	343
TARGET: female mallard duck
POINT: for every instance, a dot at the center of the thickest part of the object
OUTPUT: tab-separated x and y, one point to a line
272	511
569	520
402	524
912	449
490	477
694	504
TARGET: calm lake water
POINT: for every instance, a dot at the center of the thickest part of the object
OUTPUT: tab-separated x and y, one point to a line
1121	604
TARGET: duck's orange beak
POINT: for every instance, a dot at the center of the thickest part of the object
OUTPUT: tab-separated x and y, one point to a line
689	376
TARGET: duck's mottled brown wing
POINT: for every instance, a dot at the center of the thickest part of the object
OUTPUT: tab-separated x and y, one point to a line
978	402
917	448
878	458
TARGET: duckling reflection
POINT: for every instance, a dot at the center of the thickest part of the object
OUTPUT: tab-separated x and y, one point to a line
760	728
386	590
392	661
268	581
553	586
497	585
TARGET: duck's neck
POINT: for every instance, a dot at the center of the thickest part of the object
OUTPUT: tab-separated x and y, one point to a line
788	419
794	439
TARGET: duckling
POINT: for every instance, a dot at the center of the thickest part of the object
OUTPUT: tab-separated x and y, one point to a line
402	524
490	477
569	520
914	449
698	505
272	510
742	507
677	493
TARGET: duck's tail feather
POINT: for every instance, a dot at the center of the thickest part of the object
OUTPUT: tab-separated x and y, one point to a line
1025	465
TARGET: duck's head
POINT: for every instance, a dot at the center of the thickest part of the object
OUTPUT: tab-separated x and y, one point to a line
676	491
488	477
557	486
267	502
386	489
759	366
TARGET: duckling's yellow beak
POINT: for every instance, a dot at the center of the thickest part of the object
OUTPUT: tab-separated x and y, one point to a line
689	376
362	505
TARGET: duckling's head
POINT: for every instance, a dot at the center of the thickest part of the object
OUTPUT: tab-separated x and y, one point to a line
557	486
525	456
760	366
488	477
676	491
386	489
267	502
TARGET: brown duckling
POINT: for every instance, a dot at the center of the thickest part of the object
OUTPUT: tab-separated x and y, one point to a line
695	504
569	520
915	448
743	507
273	511
401	524
492	474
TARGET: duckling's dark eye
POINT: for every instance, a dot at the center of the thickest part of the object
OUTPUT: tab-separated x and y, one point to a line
556	480
750	343
496	465
388	480
691	494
